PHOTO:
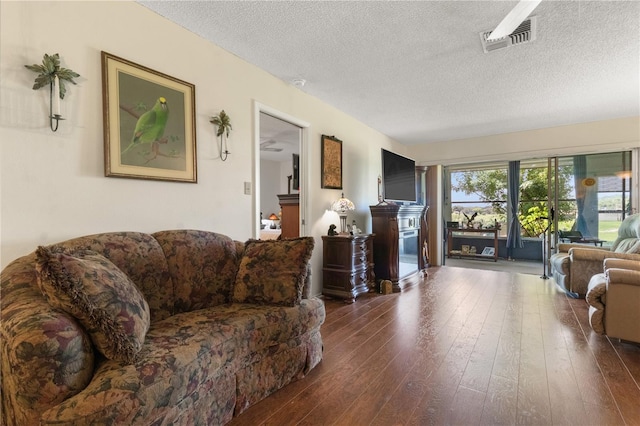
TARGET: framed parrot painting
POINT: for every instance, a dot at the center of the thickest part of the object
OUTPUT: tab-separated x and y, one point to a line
149	123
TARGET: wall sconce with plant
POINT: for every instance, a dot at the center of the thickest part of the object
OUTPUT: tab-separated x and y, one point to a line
50	72
223	122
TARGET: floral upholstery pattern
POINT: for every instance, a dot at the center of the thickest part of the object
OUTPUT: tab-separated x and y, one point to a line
141	258
46	356
202	266
203	359
184	356
273	271
88	286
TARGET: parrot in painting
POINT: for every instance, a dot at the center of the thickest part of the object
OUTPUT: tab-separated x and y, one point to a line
150	126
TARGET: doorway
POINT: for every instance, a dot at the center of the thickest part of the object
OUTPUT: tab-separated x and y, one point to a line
279	169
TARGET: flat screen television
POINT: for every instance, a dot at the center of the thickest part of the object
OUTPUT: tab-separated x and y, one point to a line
398	178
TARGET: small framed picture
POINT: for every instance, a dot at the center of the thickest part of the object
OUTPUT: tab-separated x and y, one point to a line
488	251
465	249
331	163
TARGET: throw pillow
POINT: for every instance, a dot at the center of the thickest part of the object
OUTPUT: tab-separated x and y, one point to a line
273	271
99	295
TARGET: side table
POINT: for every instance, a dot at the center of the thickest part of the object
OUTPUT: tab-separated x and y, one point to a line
347	268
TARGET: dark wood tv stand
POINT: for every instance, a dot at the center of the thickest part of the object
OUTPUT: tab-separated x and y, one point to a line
401	231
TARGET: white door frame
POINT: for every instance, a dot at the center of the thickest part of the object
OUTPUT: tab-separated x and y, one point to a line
304	163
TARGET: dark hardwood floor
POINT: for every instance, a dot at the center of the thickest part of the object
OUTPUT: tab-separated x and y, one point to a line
462	347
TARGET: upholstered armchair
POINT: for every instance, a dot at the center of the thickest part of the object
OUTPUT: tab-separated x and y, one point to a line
614	300
574	264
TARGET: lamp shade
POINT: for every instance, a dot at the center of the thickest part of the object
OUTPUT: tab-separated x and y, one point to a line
342	205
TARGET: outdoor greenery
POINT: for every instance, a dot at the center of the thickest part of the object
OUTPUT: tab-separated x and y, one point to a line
486	196
490	186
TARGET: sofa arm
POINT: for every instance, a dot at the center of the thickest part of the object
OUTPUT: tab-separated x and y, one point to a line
612	262
617	276
588	254
46	355
565	247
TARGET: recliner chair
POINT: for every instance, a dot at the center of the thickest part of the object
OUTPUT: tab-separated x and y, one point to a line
614	300
574	264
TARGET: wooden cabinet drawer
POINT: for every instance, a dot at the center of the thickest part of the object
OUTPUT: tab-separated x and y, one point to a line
347	265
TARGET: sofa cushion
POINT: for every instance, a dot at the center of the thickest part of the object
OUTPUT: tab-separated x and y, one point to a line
202	265
629	245
88	286
141	258
273	271
628	240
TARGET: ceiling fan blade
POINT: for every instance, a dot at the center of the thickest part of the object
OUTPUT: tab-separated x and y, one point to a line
513	19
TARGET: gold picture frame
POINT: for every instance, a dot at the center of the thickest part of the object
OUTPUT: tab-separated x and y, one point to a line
149	123
331	166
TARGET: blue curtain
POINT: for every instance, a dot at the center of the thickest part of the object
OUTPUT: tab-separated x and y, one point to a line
579	174
514	239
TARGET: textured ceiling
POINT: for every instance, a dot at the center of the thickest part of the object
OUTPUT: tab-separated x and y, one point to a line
416	70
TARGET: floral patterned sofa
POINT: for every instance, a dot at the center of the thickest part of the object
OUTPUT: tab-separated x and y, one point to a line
176	327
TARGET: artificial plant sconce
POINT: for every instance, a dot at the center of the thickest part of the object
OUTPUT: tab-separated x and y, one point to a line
223	122
50	73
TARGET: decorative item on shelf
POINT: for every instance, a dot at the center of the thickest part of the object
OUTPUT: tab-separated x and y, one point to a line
470	219
223	122
488	251
465	249
332	231
354	228
342	205
274	219
50	72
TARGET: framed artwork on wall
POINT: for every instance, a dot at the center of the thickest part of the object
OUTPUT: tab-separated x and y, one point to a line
149	123
331	166
295	184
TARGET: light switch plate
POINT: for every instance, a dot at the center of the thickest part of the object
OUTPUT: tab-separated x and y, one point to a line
247	188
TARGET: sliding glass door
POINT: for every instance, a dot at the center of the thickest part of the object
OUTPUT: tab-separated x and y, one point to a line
595	194
582	195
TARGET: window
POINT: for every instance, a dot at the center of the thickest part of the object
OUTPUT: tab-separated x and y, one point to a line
593	194
481	191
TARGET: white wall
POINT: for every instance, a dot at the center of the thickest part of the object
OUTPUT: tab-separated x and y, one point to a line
53	185
585	138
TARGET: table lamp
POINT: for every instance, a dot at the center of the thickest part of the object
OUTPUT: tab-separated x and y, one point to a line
341	206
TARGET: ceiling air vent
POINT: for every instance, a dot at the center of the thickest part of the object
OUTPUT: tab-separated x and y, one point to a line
525	33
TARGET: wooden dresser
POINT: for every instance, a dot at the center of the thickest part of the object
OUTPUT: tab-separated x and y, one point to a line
347	269
290	221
